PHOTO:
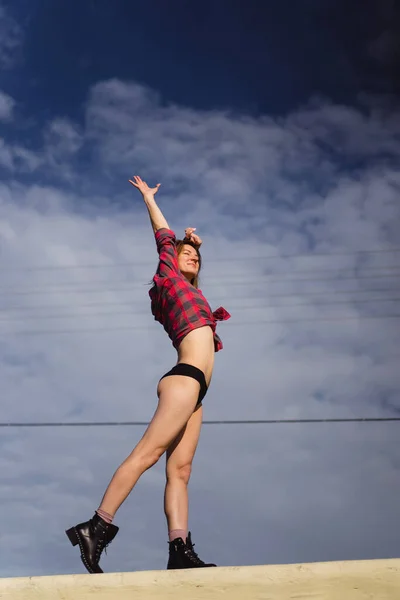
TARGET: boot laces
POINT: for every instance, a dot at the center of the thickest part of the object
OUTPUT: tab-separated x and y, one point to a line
102	543
194	556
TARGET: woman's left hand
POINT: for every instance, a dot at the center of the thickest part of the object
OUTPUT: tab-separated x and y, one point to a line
192	237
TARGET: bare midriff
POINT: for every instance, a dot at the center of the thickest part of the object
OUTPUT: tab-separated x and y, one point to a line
197	349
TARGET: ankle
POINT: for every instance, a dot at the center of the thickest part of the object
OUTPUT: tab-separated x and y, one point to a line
173	534
107	517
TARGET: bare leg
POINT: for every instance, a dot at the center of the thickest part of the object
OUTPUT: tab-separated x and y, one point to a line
177	399
178	468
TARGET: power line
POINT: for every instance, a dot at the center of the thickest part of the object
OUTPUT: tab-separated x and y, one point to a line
267	295
215	260
117	313
206	422
126	328
131	286
219	280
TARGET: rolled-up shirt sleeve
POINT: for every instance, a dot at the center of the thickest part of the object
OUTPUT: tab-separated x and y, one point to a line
168	256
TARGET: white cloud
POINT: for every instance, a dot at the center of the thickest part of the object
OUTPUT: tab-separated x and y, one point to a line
14	157
320	180
62	141
6	106
263	171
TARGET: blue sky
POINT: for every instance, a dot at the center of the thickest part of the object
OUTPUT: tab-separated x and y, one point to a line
275	131
254	57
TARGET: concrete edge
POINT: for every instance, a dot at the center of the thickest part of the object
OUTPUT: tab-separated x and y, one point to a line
379	569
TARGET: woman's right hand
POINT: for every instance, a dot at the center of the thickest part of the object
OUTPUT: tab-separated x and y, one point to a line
192	237
142	186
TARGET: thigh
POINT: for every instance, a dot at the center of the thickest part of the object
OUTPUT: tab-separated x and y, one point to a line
177	400
183	448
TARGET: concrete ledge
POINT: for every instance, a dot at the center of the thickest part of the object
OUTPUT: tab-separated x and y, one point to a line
350	580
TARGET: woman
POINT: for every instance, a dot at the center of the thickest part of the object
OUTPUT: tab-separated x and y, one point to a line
178	304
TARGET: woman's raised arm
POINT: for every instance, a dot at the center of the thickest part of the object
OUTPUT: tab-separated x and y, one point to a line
157	219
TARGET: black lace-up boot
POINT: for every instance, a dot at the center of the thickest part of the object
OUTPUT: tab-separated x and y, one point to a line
93	537
183	556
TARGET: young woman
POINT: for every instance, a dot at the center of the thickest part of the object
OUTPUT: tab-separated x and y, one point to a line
178	304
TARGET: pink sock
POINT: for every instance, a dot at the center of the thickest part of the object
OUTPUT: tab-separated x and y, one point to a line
105	515
176	533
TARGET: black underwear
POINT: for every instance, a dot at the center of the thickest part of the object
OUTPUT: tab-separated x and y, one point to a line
190	371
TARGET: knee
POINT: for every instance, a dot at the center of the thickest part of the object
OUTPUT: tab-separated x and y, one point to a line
149	461
181	473
144	460
153	457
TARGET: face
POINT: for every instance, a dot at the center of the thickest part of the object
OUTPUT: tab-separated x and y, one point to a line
188	261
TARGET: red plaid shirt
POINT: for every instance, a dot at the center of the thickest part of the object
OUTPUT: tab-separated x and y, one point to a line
175	302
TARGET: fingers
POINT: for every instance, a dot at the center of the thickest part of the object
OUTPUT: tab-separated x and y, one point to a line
196	240
189	233
192	237
137	179
138	183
